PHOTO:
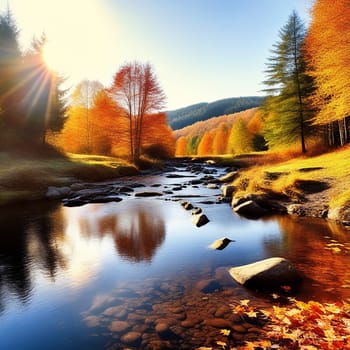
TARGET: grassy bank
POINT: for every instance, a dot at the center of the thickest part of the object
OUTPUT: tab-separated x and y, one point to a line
28	177
324	178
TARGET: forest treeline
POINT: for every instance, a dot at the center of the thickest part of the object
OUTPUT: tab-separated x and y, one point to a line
307	99
306	105
235	133
183	117
123	119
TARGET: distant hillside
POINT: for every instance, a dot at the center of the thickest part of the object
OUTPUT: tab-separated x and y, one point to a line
199	128
182	117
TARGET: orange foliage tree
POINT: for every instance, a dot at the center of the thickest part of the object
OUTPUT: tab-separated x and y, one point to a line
205	146
136	89
158	139
328	54
220	139
255	128
109	125
181	146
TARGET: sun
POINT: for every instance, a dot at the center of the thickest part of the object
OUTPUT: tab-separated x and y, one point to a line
53	58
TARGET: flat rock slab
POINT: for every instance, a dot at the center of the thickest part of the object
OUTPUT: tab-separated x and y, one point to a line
229	177
148	194
267	274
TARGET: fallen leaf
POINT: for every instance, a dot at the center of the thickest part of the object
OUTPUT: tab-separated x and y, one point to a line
251	314
332	308
225	332
245	302
221	343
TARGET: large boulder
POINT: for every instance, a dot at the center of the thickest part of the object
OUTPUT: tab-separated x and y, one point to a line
250	209
255	206
227	190
267	274
340	214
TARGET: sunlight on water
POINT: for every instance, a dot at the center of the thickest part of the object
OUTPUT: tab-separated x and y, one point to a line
94	269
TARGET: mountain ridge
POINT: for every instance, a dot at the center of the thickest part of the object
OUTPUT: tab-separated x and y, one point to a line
185	116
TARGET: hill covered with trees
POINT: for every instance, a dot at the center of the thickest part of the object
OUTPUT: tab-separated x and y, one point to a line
183	117
227	134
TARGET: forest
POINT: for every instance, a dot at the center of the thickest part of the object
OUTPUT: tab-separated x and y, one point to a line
307	98
183	117
305	106
122	120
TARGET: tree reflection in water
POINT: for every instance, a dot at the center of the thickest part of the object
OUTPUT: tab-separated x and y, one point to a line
308	243
29	234
137	228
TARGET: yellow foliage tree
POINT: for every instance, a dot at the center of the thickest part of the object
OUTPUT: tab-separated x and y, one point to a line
328	54
240	140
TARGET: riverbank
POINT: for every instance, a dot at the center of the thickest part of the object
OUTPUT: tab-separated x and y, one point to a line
27	177
307	186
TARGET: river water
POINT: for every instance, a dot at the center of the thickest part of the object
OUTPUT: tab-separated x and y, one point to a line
130	275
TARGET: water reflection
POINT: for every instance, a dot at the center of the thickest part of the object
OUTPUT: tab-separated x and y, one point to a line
136	227
310	244
28	238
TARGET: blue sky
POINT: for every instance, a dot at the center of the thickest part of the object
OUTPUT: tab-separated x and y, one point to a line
202	50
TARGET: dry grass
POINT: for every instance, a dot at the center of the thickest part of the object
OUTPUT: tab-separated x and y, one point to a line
332	167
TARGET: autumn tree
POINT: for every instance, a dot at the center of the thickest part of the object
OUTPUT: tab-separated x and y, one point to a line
82	101
205	146
288	86
181	146
239	140
327	47
255	128
158	140
192	144
109	124
220	139
136	89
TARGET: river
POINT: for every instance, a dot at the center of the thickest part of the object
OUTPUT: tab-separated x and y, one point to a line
138	274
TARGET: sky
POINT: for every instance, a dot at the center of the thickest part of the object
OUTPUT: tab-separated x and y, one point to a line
201	50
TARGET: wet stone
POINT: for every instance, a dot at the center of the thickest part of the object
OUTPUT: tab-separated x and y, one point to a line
92	321
119	326
222	311
218	323
131	338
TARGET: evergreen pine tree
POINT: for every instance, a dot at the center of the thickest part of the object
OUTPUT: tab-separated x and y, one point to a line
43	102
288	87
10	63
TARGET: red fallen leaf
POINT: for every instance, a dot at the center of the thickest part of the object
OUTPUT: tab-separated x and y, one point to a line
319	331
294	322
316	308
